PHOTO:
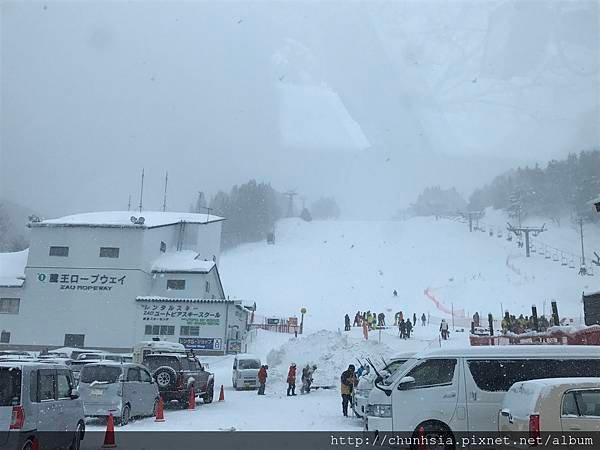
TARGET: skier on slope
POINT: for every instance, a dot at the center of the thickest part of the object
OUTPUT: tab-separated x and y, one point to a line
262	379
346	322
444	329
402	329
423	320
409	328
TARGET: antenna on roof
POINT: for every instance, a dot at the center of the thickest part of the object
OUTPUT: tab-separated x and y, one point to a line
165	196
208	210
142	191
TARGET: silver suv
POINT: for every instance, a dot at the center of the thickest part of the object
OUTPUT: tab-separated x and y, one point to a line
125	390
39	402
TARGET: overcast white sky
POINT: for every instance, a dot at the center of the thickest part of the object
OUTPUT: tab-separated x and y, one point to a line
366	101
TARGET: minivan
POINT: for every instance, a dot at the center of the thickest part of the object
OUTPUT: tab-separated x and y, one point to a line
123	390
39	402
245	371
551	404
449	390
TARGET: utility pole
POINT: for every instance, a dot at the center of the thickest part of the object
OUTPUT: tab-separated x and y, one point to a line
473	215
290	195
142	192
165	195
208	210
519	231
581	234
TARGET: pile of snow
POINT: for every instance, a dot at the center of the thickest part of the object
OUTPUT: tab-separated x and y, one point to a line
12	268
332	352
182	261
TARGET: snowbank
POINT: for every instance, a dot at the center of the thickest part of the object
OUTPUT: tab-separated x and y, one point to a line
332	352
12	268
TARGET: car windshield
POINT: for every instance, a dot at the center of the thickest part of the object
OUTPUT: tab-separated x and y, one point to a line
395	365
396	374
248	364
10	386
100	374
154	362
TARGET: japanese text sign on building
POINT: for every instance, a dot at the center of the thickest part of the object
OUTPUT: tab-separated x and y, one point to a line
88	282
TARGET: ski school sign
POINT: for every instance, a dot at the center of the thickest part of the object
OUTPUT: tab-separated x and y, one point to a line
77	282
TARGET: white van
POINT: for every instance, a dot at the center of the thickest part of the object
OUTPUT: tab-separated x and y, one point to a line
450	390
245	371
143	348
555	404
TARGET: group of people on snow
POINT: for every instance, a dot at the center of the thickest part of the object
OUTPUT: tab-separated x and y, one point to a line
371	320
306	378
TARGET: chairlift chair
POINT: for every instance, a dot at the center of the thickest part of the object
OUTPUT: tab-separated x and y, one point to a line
572	263
532	248
555	257
547	254
491	232
563	260
509	237
590	270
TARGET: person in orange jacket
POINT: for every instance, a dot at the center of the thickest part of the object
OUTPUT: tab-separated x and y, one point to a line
262	379
291	380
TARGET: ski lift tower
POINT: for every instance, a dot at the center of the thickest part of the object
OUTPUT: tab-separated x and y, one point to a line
473	215
519	231
290	195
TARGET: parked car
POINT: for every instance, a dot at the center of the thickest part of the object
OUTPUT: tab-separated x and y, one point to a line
144	348
125	390
245	371
559	404
39	402
463	389
176	373
366	383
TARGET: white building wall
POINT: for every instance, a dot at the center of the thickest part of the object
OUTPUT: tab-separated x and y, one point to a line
84	247
195	285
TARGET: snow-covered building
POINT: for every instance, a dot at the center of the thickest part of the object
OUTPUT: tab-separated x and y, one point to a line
111	279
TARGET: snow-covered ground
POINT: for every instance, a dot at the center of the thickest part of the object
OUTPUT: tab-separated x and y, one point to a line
318	411
336	267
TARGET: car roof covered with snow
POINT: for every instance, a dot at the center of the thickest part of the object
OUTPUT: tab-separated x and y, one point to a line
247	356
514	351
25	363
123	219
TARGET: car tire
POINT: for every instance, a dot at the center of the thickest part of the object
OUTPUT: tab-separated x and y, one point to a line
76	442
125	416
438	431
28	445
165	377
210	393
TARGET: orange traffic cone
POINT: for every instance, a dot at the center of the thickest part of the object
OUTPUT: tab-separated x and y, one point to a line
222	395
159	411
35	444
421	445
109	436
192	399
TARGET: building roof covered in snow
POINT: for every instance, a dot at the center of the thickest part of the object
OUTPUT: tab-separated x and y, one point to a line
185	261
12	268
126	219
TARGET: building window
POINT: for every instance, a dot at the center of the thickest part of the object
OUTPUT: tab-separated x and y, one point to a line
207	286
163	247
167	330
9	305
5	337
189	331
74	340
109	252
59	251
153	330
175	285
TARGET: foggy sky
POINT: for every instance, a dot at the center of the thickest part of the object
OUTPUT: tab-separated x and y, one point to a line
366	101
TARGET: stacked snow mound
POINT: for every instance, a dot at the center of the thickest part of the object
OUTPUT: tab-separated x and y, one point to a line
332	352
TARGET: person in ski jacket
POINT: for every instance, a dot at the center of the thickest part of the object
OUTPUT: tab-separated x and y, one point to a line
402	329
444	329
348	381
357	319
291	380
423	320
409	328
346	322
396	318
262	379
307	378
395	293
414	322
